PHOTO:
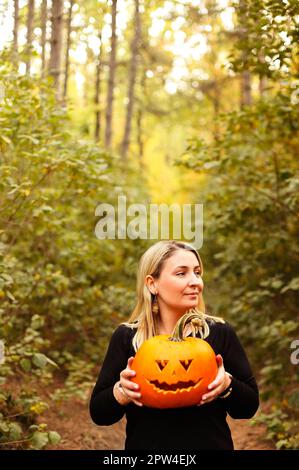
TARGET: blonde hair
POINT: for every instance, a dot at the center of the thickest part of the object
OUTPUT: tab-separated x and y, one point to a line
151	263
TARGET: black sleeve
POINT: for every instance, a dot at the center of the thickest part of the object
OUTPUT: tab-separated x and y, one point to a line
243	402
104	408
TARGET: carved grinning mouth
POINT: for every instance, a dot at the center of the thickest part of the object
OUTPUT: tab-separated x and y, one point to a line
181	385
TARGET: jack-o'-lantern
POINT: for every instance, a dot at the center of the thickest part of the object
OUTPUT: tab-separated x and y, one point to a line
174	371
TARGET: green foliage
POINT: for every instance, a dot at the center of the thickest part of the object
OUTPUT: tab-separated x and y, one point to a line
251	223
61	289
267	36
16	428
280	428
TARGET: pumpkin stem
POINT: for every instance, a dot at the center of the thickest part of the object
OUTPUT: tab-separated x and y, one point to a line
198	325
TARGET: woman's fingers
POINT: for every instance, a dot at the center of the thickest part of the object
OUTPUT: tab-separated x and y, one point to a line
216	386
220	374
130	360
130	388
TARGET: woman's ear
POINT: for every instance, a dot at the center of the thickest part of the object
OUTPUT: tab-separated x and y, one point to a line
150	283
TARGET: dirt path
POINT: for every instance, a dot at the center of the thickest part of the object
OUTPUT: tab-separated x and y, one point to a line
73	423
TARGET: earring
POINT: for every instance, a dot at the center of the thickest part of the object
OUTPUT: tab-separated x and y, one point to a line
155	306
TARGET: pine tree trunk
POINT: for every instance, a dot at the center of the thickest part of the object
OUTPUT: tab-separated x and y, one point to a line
245	84
132	80
67	51
216	107
43	21
56	42
262	78
30	21
16	30
112	68
140	141
246	99
97	100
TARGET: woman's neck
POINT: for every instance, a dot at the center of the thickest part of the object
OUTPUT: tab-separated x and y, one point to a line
167	322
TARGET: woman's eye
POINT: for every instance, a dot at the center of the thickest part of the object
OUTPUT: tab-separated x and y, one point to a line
197	274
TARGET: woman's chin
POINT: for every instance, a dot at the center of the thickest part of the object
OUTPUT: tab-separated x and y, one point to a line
190	305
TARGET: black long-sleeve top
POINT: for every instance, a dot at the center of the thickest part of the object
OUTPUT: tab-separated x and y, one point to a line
193	427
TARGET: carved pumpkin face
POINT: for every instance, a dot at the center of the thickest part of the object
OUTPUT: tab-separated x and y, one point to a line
173	374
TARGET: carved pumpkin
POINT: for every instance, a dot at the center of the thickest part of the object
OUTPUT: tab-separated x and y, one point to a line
174	371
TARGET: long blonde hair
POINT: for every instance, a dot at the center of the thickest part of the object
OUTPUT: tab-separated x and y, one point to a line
151	263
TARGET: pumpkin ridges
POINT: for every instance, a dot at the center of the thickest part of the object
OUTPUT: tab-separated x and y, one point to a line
202	370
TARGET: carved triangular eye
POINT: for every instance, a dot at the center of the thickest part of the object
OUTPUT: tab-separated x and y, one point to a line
162	364
186	363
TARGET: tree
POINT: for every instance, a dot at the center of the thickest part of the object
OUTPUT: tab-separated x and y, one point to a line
16	29
111	79
43	22
132	80
97	132
30	21
56	43
67	48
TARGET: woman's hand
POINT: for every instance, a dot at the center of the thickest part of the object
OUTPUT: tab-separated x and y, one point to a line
129	388
221	383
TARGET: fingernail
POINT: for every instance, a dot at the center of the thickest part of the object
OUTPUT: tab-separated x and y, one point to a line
203	398
136	386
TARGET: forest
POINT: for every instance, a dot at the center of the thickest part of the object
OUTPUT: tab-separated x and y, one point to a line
163	102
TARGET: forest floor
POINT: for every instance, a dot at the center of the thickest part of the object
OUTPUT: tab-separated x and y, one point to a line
72	421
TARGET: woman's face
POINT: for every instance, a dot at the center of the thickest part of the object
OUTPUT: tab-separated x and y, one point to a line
180	282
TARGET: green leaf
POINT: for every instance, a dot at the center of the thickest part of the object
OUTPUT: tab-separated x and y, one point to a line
4	427
37	322
293	285
39	360
54	437
25	364
15	431
39	440
10	296
5	139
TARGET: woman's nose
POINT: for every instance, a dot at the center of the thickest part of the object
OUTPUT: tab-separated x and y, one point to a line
195	280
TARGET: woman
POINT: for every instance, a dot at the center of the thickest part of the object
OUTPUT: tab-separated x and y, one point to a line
170	284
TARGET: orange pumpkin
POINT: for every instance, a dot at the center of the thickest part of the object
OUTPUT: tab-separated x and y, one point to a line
174	371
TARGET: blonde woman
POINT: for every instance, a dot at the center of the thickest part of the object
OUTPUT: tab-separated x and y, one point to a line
169	284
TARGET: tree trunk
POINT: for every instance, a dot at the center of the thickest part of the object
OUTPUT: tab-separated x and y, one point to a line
216	107
56	43
97	99
245	88
132	80
246	99
16	30
43	21
112	67
30	20
262	77
140	137
68	45
140	141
